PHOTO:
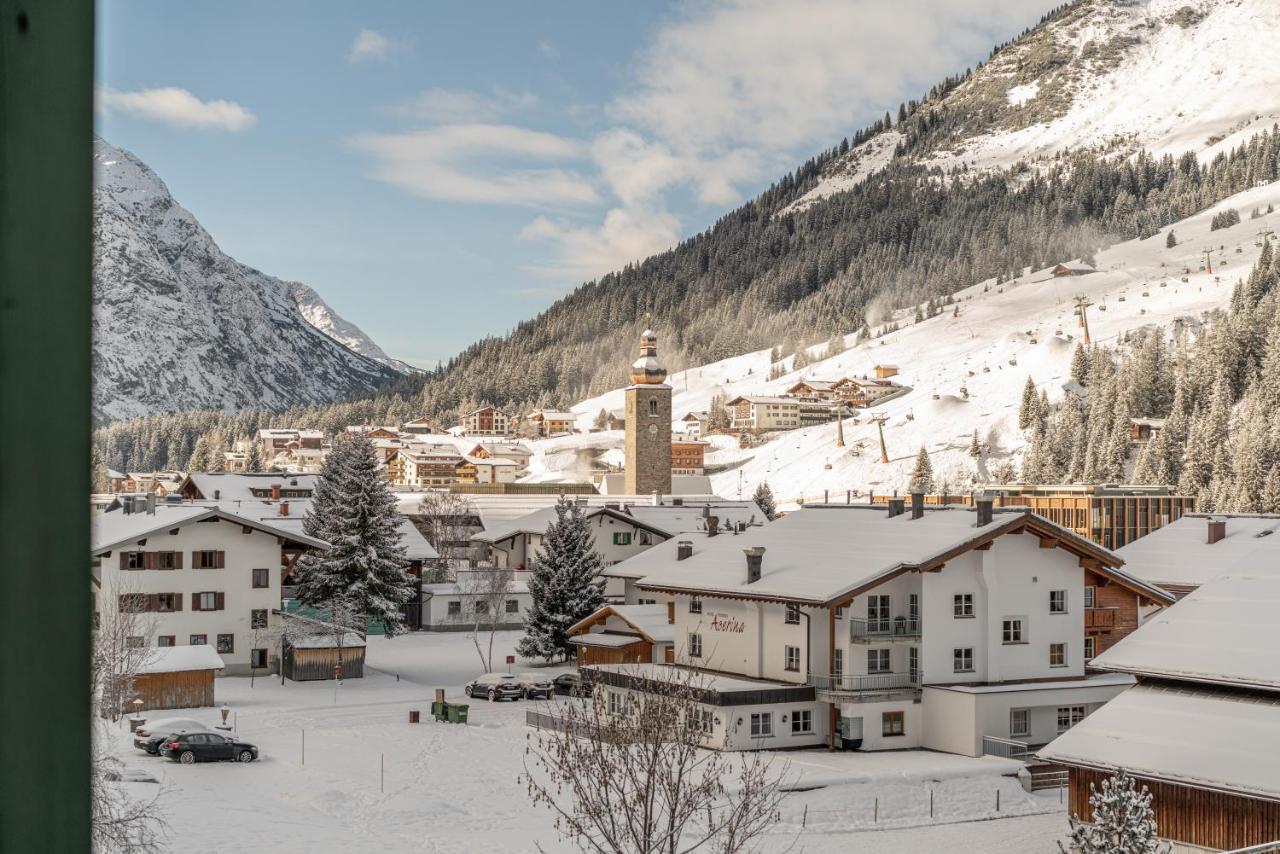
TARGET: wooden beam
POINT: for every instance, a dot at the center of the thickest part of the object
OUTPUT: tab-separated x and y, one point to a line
1090	563
937	568
1048	542
984	547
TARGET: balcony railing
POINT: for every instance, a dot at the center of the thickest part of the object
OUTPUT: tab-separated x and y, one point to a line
875	683
899	627
1099	618
1006	747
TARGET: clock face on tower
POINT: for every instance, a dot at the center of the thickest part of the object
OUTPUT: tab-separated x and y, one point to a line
653	429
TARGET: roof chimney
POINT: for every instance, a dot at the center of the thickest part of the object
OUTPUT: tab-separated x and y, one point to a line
678	502
217	493
917	505
755	561
684	550
896	507
1217	530
275	492
284	508
713	525
151	503
984	507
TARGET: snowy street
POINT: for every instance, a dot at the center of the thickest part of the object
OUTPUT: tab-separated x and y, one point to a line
452	788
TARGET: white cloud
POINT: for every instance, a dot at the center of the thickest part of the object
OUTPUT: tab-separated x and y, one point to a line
626	235
547	49
477	163
369	46
177	107
463	106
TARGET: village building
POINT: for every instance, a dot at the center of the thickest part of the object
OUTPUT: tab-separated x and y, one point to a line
1143	430
552	422
375	431
236	488
429	464
883	372
517	452
1065	270
312	650
176	677
762	412
465	603
1200	547
159	483
486	470
687	457
815	389
859	628
201	573
1201	729
622	634
235	461
860	392
421	427
616	536
276	440
487	421
694	424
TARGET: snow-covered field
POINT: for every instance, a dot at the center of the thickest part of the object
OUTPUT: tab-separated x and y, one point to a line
1004	333
451	788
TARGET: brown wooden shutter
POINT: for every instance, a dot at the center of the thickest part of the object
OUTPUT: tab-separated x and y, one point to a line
220	560
124	560
219	601
177	560
153	602
177	601
148	560
195	601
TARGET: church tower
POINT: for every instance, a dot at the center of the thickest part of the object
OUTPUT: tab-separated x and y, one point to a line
648	423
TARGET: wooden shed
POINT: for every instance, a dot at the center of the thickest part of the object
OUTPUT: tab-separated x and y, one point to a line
624	634
313	658
176	677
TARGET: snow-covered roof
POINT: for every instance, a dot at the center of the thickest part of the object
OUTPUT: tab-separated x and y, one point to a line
537	522
684	486
649	621
1180	554
323	640
696	415
117	528
604	640
175	659
694	678
758	399
416	546
473	583
1223	633
689	518
490	461
1093	680
239	486
516	448
553	415
821	553
1202	738
816	385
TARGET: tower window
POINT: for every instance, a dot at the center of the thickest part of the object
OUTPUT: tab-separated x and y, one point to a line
653	408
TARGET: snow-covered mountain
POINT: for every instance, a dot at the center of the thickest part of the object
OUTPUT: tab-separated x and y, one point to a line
1170	76
320	315
178	324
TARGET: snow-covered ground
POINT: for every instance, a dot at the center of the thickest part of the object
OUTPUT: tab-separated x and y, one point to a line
451	788
1004	333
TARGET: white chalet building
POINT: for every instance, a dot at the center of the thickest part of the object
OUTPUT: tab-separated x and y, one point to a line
843	625
200	572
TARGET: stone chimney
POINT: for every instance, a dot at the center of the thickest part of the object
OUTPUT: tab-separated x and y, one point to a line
713	525
897	506
1217	530
917	505
985	511
684	550
755	562
275	492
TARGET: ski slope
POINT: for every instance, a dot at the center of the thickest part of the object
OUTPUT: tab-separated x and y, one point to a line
1004	334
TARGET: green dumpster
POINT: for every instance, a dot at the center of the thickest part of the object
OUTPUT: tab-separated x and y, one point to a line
457	713
438	710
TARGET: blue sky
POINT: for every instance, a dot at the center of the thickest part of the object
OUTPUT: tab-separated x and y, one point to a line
440	171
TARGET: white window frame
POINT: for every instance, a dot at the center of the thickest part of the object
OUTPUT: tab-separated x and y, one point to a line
959	656
1052	650
875	657
962	606
695	605
1090	596
1025	729
837	665
791	658
1013	630
802	722
1054	605
695	645
792	615
1090	647
762	724
1069	716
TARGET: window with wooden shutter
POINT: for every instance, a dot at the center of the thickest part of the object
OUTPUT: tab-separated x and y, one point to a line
220	601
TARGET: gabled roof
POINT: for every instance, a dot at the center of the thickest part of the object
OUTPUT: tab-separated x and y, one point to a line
757	399
240	486
826	554
1179	554
696	415
116	528
537	522
648	621
1224	634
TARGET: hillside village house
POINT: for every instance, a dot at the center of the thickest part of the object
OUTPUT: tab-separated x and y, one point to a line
687	457
856	627
862	392
517	452
486	470
433	464
1201	729
694	424
277	440
375	431
421	426
764	413
819	389
155	482
620	634
552	422
204	573
1199	547
487	421
461	604
883	372
617	536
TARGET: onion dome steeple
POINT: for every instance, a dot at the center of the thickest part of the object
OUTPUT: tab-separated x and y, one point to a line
648	370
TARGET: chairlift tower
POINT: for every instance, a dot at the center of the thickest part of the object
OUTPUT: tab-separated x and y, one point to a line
1082	309
879	422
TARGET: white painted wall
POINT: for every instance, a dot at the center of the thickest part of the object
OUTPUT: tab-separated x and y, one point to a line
872	715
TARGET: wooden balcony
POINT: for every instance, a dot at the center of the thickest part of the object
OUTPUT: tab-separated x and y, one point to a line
1100	618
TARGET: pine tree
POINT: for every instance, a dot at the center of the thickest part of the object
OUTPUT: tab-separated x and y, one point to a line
99	482
354	512
199	456
1170	241
1123	821
763	498
253	462
1080	365
1029	412
922	474
602	420
564	584
975	445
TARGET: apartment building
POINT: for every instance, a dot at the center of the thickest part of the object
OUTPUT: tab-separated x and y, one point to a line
862	627
428	464
487	421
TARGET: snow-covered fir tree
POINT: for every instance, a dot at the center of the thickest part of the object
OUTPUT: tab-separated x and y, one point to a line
253	461
1080	365
1029	411
975	445
364	567
1123	821
922	474
565	584
763	498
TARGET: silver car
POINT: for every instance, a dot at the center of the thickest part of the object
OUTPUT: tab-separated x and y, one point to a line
495	686
534	686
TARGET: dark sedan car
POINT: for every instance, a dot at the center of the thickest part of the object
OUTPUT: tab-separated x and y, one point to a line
572	684
192	747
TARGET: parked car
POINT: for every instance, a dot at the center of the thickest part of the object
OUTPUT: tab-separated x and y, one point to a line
495	686
572	684
149	736
533	686
192	747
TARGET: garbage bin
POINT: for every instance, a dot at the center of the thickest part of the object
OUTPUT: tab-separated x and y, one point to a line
440	711
457	713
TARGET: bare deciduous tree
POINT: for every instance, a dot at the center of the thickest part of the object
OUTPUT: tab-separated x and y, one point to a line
447	517
631	773
484	595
